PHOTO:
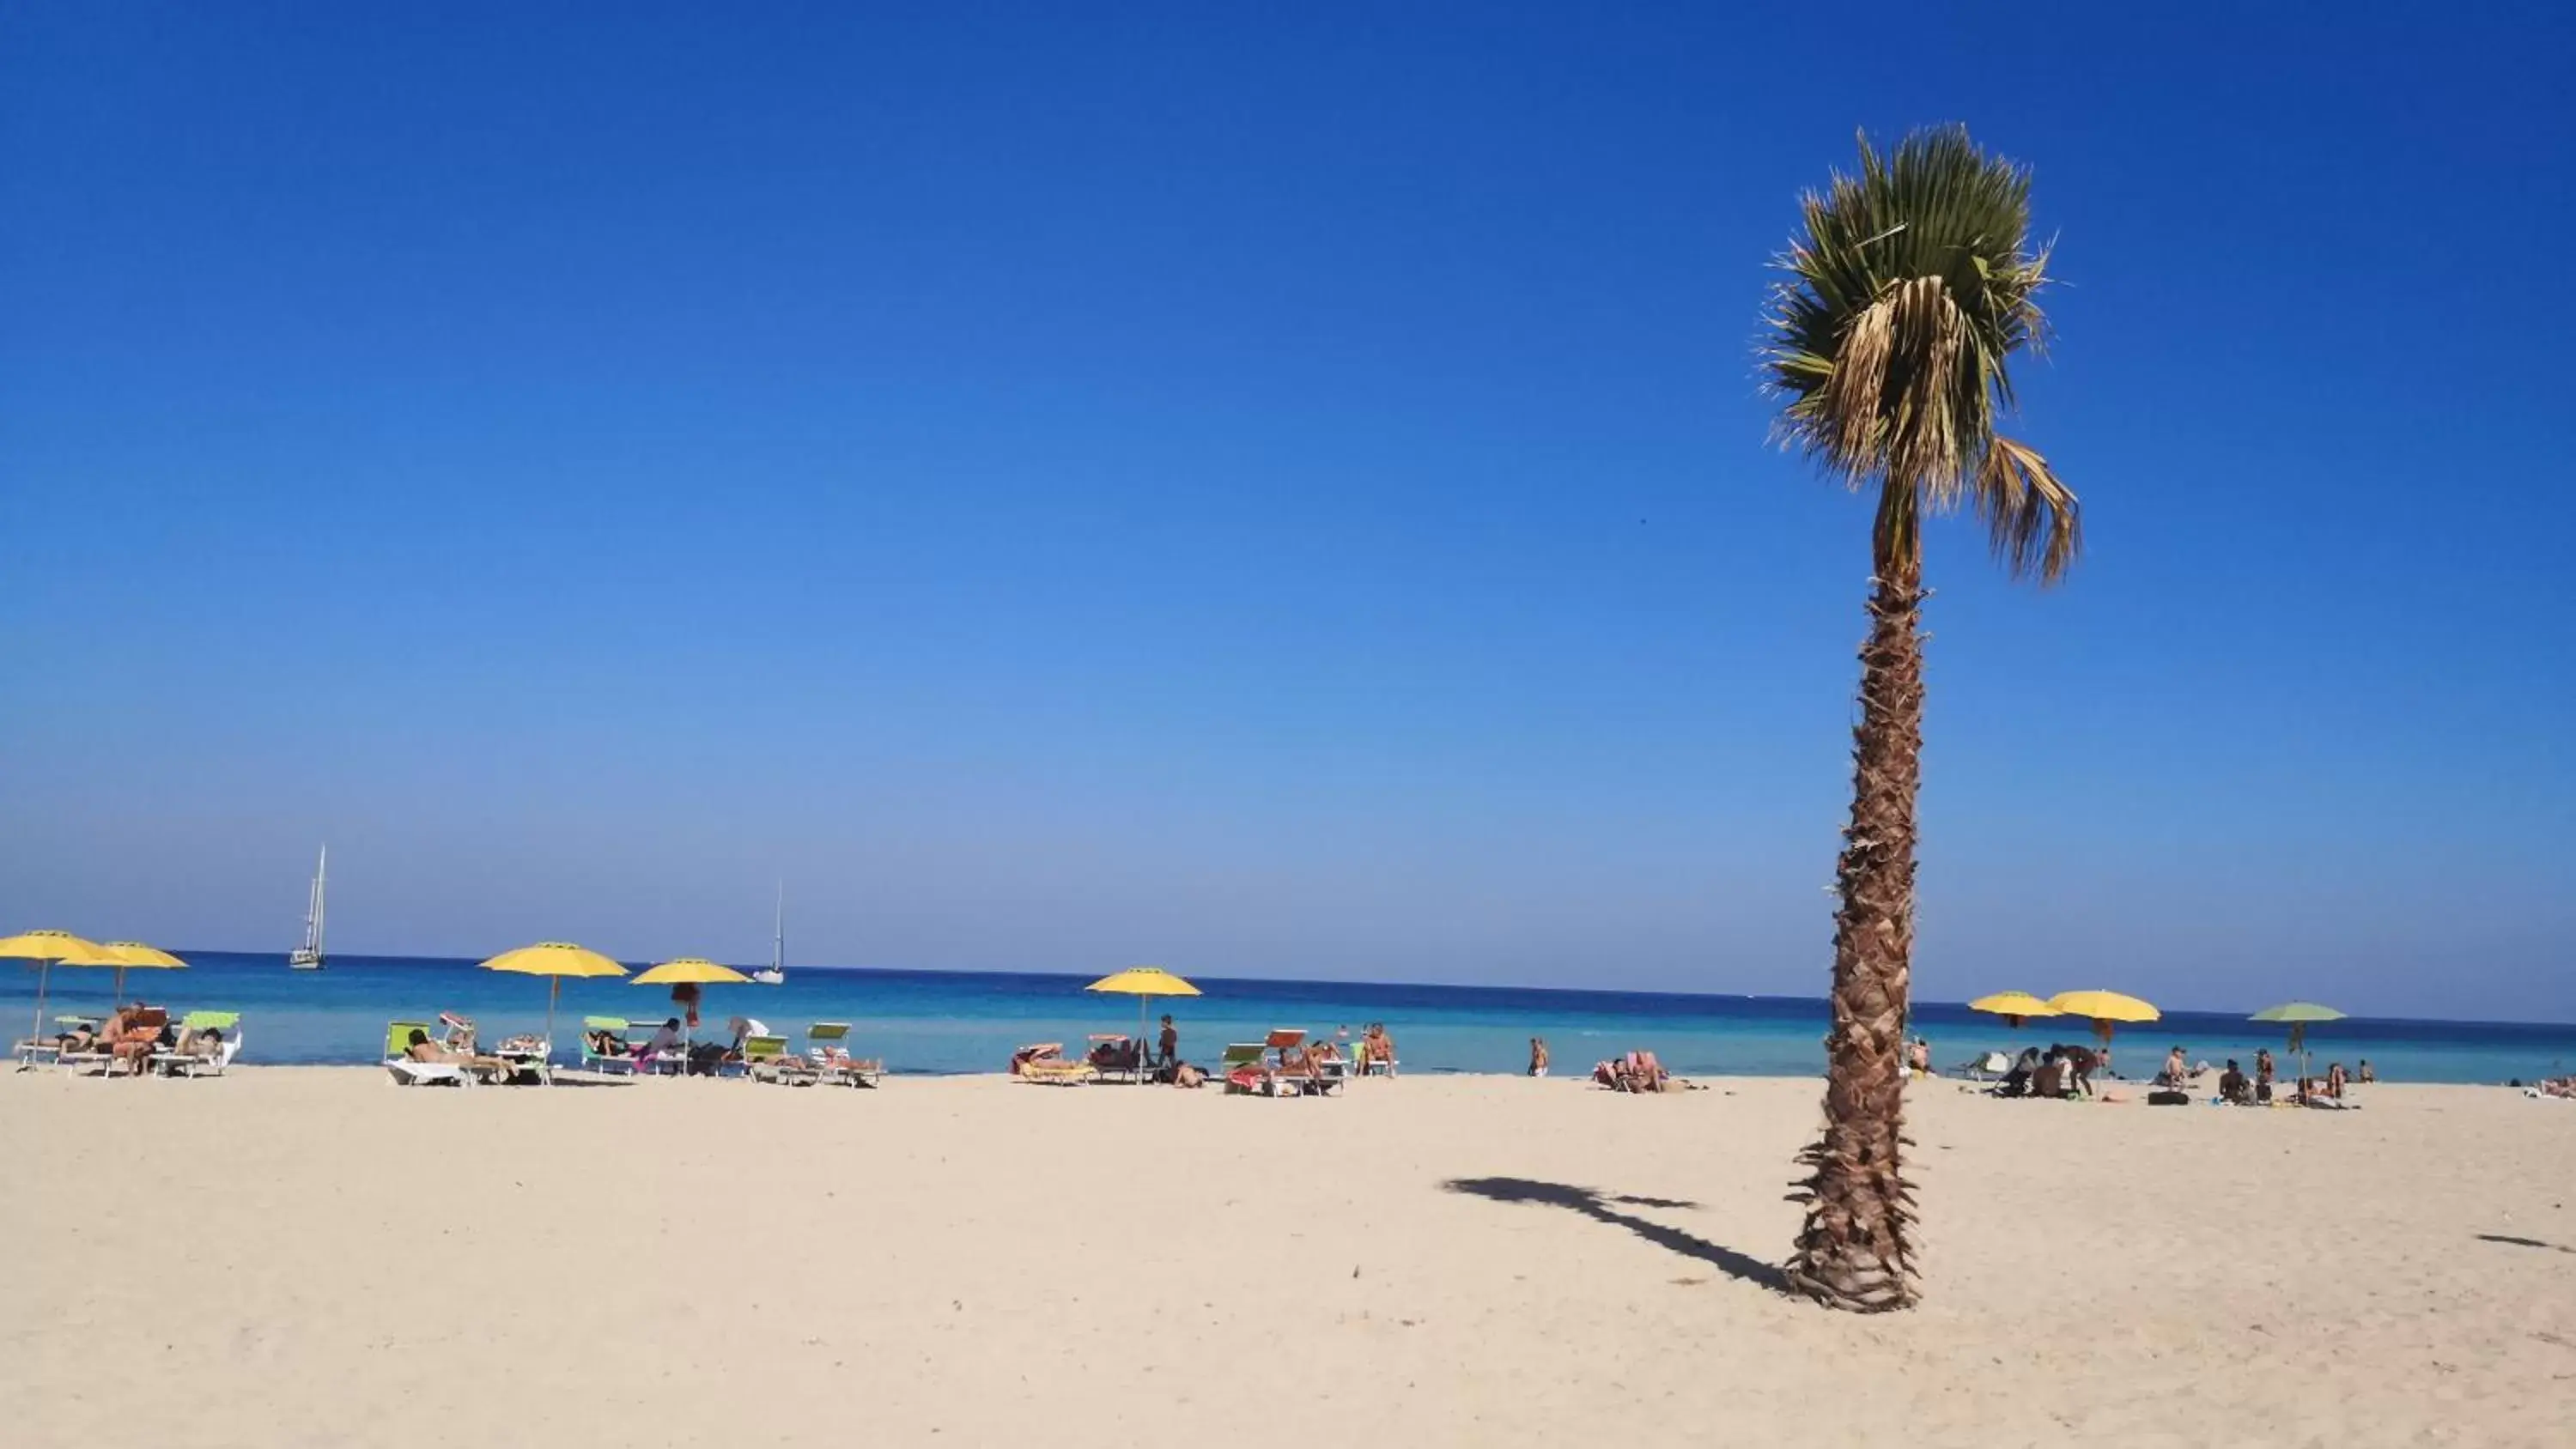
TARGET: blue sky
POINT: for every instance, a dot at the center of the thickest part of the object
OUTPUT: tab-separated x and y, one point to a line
1278	494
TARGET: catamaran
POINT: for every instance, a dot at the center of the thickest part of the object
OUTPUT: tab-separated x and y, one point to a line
775	973
308	957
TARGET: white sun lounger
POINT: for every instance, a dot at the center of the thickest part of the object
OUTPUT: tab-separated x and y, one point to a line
189	1064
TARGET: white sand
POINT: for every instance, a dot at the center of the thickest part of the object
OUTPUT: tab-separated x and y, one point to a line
311	1256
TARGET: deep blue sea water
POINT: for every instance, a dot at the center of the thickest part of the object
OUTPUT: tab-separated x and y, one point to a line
935	1021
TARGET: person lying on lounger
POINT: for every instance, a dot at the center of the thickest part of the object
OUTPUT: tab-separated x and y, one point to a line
81	1039
421	1049
205	1043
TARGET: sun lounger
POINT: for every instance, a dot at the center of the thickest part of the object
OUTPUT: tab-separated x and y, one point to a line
827	1047
620	1058
767	1059
50	1048
180	1062
1045	1063
1984	1068
152	1019
527	1056
409	1073
1246	1068
1116	1056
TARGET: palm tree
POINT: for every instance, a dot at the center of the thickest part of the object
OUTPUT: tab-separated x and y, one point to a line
1889	338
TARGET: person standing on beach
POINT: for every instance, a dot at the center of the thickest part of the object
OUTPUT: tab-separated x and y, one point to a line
1538	1056
1167	1048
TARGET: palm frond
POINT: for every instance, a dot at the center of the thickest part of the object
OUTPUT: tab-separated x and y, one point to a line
1910	289
2033	520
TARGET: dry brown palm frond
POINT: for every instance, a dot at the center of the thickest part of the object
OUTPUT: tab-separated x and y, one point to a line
2033	519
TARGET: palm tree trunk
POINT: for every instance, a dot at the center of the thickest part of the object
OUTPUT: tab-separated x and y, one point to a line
1854	1252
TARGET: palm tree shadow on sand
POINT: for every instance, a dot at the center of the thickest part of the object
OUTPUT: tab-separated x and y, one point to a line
1604	1207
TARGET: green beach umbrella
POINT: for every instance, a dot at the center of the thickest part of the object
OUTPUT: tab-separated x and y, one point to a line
2297	1015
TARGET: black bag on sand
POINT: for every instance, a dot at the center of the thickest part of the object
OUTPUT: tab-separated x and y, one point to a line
2169	1099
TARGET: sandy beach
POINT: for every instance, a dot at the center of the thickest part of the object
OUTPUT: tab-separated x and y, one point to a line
311	1256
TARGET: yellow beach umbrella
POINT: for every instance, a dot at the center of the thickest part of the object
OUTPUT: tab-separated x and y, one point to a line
555	959
2105	1008
695	969
1142	982
44	948
130	956
689	971
2013	1006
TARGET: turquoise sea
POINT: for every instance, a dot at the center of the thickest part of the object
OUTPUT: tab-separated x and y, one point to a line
946	1022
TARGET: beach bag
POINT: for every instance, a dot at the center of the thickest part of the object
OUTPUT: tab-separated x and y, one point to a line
2169	1099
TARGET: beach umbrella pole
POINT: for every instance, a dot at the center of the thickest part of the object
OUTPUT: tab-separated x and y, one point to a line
37	1031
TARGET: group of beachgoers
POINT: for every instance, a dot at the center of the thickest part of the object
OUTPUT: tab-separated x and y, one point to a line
1286	1061
132	1041
668	1049
2066	1070
457	1047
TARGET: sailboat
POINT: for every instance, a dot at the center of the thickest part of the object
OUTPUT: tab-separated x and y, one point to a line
775	973
308	957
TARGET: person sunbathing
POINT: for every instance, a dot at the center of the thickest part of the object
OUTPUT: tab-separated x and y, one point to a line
421	1049
1297	1064
83	1038
1638	1071
205	1043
